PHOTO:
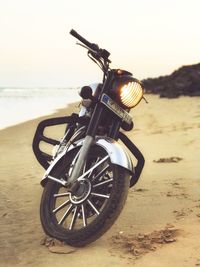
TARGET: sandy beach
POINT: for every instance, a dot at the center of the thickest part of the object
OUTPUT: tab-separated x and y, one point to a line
167	195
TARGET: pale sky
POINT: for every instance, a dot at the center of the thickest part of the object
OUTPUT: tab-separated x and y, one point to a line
146	37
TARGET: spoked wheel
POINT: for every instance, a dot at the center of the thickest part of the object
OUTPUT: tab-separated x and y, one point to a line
83	216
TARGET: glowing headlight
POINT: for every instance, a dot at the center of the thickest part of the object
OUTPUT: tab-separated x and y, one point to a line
130	94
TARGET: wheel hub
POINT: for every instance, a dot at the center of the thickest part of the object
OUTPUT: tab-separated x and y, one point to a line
82	192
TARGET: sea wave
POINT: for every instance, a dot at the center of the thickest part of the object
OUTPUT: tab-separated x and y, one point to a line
21	104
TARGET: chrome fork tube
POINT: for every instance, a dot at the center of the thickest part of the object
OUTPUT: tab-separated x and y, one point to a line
81	159
90	135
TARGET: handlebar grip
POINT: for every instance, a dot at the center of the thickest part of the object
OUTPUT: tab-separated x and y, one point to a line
83	40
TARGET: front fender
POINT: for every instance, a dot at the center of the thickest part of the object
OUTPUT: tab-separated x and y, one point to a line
117	154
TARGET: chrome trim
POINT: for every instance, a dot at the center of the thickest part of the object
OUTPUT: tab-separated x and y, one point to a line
117	154
115	151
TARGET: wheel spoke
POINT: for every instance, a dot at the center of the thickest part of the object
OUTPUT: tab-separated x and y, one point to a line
92	206
62	194
73	218
83	214
93	167
65	215
97	160
84	168
102	183
100	173
99	195
61	206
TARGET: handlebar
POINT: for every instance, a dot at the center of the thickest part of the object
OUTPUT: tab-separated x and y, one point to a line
94	47
84	41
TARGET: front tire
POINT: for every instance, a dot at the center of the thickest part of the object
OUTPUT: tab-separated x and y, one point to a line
82	218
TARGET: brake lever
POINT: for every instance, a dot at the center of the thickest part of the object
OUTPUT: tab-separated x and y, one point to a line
77	43
101	53
86	47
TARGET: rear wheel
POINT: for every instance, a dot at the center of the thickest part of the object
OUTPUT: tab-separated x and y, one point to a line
84	216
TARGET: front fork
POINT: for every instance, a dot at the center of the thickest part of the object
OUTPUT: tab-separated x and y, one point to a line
81	159
89	140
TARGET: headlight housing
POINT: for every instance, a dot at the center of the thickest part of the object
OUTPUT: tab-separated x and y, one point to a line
128	92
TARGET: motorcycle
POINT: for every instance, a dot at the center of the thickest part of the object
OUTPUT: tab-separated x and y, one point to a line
89	173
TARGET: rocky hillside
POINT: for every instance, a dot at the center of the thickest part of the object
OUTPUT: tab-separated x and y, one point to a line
184	81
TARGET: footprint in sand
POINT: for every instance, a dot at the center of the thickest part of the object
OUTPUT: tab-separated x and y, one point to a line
181	214
168	160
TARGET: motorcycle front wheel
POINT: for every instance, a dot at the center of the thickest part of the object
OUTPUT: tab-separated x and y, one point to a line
81	218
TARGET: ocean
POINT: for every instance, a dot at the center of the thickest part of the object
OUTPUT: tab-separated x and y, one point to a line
22	104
